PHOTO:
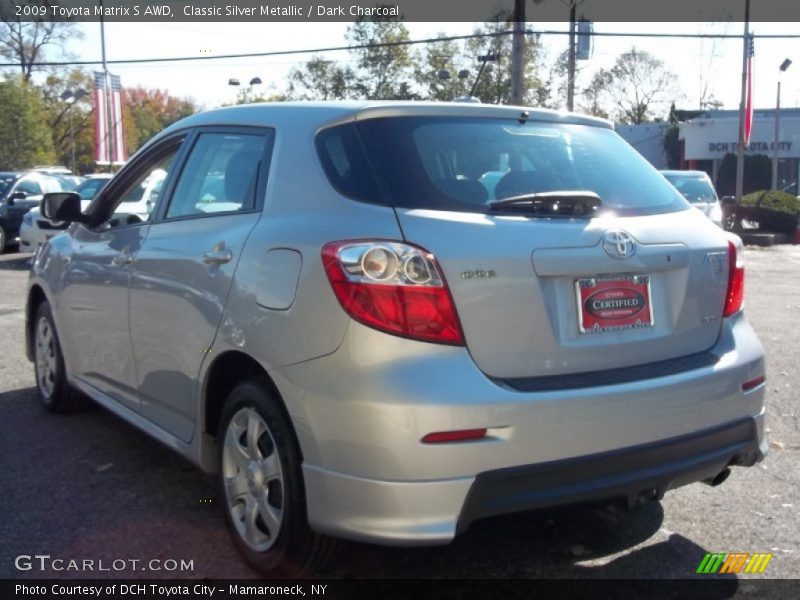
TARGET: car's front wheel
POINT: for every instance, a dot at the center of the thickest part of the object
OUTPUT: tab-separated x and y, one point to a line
262	485
52	387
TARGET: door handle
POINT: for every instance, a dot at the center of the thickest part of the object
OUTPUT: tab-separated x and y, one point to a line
122	259
218	256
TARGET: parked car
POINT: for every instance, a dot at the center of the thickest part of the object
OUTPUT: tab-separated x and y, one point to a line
328	309
36	230
19	192
697	188
141	200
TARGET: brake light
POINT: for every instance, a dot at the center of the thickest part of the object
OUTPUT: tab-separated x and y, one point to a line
393	287
734	296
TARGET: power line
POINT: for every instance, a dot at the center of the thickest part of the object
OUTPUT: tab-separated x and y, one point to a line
494	34
271	53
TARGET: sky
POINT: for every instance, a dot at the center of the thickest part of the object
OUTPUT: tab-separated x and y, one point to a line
698	63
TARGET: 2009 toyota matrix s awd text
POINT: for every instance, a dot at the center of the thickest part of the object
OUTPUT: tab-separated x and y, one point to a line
383	321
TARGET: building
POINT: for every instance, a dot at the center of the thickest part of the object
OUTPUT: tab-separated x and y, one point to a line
708	136
648	139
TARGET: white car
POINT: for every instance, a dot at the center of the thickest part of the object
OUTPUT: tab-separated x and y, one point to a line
36	230
697	188
141	199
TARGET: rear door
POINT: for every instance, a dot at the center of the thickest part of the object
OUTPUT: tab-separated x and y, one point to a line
185	267
546	292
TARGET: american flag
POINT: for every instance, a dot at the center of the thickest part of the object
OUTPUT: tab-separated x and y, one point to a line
748	105
101	137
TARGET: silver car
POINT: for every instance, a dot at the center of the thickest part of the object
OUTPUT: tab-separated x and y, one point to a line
697	188
384	321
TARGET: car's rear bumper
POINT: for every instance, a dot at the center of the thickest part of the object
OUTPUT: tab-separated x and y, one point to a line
627	475
369	476
433	512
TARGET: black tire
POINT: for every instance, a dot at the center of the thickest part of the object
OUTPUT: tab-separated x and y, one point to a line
295	550
3	239
55	394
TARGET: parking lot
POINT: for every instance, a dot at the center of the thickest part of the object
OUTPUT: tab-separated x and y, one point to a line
90	486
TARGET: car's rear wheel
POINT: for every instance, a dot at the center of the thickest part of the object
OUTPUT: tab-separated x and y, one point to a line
3	239
261	485
51	381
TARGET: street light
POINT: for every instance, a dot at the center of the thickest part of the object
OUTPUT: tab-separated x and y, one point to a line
784	65
254	81
71	97
484	58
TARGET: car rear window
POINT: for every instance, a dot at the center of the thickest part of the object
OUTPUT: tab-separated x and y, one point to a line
464	164
695	189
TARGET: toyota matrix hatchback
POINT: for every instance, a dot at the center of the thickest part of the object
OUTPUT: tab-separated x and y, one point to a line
337	310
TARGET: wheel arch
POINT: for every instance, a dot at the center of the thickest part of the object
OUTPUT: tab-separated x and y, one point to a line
36	296
225	372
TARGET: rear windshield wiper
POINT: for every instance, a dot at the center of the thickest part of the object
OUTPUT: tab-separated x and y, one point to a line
561	203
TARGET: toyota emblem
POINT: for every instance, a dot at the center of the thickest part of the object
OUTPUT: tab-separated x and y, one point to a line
618	243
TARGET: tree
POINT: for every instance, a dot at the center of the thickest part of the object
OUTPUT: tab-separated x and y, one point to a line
71	119
382	72
321	79
593	94
26	42
152	110
757	174
435	58
25	138
494	86
636	87
552	93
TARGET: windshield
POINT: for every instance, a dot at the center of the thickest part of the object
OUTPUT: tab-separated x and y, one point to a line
695	189
89	188
465	164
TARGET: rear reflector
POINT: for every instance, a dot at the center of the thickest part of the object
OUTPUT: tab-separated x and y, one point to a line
734	296
463	435
753	383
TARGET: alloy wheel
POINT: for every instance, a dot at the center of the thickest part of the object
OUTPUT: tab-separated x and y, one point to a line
46	363
253	479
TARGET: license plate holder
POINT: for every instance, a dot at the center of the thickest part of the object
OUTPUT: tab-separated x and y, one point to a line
613	303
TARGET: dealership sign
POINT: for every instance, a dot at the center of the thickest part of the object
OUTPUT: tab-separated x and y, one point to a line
708	139
751	147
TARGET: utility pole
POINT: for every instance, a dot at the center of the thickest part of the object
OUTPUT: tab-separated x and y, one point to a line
107	93
571	58
518	54
740	148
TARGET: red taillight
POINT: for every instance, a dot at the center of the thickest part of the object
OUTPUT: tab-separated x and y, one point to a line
734	296
393	287
462	435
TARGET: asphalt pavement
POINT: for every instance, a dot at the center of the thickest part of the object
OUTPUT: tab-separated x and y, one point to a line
91	487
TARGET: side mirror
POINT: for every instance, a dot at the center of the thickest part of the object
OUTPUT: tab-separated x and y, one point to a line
62	206
728	200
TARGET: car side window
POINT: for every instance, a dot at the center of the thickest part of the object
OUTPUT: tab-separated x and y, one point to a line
220	175
30	187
